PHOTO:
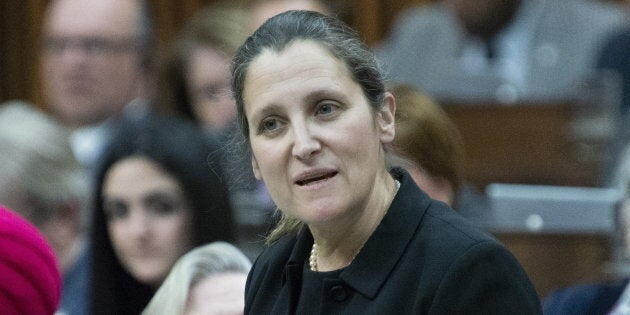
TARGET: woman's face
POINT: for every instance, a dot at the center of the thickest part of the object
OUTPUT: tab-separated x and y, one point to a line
316	142
220	294
208	79
148	218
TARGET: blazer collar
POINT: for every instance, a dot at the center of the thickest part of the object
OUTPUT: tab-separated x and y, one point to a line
380	254
378	257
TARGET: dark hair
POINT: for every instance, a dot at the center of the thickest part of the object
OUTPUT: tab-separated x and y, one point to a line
285	28
181	149
338	38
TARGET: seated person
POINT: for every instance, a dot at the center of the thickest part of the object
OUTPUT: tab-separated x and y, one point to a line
42	181
507	50
427	137
194	83
612	297
156	199
207	280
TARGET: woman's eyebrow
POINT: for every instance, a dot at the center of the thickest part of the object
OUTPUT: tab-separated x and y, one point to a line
267	110
320	94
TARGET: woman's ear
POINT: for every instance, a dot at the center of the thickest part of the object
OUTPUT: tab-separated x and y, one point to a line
386	118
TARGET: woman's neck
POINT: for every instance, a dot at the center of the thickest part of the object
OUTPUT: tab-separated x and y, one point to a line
338	243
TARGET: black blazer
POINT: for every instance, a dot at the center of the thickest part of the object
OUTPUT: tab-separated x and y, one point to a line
423	258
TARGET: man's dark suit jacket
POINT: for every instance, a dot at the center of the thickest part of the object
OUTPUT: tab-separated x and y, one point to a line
423	258
591	299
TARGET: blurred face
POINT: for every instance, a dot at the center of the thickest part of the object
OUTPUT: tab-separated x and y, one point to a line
208	76
91	65
148	218
484	17
316	142
219	294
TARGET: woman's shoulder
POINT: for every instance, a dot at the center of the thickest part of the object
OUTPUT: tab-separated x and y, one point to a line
277	253
443	222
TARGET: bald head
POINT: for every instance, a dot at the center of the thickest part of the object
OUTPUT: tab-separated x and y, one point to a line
92	58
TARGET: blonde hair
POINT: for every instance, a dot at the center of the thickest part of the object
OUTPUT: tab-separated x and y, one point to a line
427	136
199	263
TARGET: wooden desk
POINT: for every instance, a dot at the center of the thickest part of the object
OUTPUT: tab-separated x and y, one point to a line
528	144
553	261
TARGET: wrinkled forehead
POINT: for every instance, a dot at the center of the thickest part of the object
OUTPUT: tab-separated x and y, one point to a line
93	18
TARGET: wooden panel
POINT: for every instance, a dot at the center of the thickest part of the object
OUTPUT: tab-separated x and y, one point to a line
557	261
19	47
527	144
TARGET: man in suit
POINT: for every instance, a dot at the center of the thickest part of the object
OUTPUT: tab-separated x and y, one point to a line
95	68
505	50
95	65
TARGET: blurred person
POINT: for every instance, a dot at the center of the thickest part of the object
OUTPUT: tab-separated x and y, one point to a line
613	61
613	57
353	234
264	9
194	82
95	63
157	197
195	77
427	136
207	280
30	282
503	50
606	297
41	180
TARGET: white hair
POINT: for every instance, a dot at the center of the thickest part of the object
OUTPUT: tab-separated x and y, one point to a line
199	263
36	160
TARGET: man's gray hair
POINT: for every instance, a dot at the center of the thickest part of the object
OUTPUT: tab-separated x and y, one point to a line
37	162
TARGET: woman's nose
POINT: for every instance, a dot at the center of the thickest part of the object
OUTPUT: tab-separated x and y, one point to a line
138	224
305	144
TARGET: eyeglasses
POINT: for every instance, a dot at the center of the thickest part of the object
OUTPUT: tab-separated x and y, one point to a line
91	45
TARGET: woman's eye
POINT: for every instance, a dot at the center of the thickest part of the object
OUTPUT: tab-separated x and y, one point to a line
115	210
161	205
326	108
269	124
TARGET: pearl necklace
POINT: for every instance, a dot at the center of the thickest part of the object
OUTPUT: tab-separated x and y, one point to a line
312	260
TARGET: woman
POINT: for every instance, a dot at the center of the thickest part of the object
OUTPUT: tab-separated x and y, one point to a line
194	78
430	140
207	280
194	82
156	199
353	236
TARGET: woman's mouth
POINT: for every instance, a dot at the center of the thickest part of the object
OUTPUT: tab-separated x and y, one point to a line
311	179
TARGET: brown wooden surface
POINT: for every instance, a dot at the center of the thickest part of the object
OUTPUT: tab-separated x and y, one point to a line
527	143
554	261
